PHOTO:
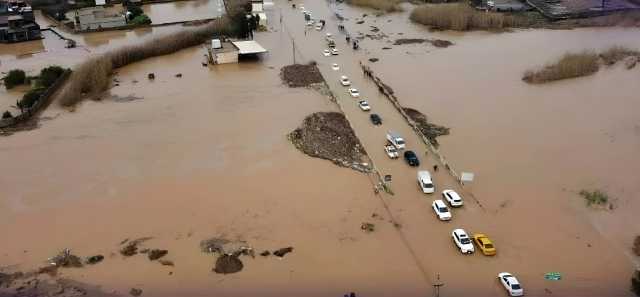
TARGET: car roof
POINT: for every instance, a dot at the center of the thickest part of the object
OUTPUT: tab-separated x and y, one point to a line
424	174
439	203
453	194
410	153
460	232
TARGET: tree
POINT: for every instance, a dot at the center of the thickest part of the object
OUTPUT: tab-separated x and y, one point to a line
14	77
142	19
7	115
49	75
134	11
30	98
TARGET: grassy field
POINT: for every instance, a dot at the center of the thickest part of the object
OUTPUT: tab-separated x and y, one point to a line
462	17
384	5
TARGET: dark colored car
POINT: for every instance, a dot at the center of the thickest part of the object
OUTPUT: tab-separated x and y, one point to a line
411	158
375	119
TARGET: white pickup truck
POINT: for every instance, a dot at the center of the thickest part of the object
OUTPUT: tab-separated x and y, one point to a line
391	151
395	139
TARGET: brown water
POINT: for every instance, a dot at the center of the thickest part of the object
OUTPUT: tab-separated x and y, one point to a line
207	155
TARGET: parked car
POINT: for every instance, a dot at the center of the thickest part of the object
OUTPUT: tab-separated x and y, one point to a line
334	51
411	158
441	210
511	283
395	139
425	182
335	66
391	151
364	105
326	53
484	244
462	241
452	197
353	92
375	119
318	26
345	81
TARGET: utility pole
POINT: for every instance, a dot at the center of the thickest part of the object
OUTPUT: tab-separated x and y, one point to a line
293	47
437	285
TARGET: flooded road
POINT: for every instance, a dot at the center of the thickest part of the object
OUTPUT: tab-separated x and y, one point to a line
162	13
207	155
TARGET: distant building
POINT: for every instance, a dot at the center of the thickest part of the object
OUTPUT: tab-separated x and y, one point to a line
17	22
225	52
95	18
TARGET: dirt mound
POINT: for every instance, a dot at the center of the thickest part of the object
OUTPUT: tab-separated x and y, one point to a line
328	135
299	75
430	130
226	264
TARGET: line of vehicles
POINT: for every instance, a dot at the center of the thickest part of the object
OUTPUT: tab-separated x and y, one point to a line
450	199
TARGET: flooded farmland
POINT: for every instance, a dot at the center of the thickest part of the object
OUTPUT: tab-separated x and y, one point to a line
206	154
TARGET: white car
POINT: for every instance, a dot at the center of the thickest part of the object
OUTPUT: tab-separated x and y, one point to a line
391	151
345	81
364	105
318	27
334	51
310	23
441	210
462	241
511	284
326	53
353	92
329	35
335	67
425	182
452	197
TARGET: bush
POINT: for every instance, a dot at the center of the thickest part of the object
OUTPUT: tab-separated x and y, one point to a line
385	5
636	246
569	66
596	197
635	283
49	75
7	115
616	54
142	19
30	98
14	78
135	11
462	17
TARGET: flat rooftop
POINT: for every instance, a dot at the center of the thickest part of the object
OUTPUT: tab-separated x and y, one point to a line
249	47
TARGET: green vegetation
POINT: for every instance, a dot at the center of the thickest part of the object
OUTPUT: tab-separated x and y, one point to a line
7	115
568	66
596	197
142	19
14	78
384	5
462	17
30	98
49	75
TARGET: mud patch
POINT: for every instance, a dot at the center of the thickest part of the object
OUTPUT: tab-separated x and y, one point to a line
430	130
435	42
299	75
328	135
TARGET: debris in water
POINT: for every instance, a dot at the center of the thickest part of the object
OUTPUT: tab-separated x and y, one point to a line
66	259
298	75
132	246
179	75
265	253
283	251
156	254
386	48
360	22
368	227
151	76
430	130
328	135
227	264
135	292
95	259
166	262
373	60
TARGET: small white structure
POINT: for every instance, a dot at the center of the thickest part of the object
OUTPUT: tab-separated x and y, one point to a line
93	18
223	52
101	2
248	47
257	6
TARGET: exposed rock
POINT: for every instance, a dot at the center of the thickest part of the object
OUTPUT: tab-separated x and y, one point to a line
156	254
135	292
283	251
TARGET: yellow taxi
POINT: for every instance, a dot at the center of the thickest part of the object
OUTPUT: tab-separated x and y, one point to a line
484	243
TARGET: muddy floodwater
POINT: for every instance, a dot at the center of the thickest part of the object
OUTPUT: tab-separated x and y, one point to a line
186	158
